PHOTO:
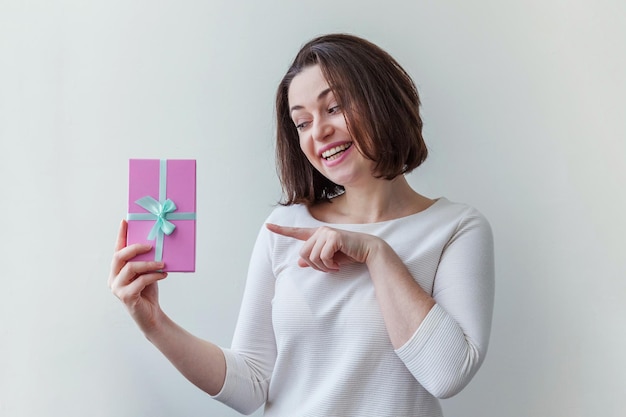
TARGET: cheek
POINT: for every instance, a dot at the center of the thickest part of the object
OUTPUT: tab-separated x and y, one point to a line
308	149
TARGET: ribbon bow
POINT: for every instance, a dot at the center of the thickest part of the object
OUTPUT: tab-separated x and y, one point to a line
161	211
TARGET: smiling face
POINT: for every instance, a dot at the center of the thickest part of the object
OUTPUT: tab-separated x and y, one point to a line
322	130
381	107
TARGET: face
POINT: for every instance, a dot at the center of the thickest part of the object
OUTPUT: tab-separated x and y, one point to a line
323	132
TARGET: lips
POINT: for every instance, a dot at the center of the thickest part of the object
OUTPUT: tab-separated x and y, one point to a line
336	151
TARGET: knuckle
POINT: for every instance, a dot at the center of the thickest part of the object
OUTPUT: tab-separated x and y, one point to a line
130	268
116	291
333	233
117	256
125	297
115	286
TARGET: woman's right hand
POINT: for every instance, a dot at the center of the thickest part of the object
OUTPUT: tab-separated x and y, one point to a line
135	283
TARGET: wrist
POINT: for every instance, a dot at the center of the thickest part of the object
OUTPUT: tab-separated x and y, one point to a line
378	251
154	326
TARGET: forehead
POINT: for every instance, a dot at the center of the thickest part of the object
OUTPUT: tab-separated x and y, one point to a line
306	86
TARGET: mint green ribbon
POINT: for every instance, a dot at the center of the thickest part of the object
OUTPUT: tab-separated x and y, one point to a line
161	212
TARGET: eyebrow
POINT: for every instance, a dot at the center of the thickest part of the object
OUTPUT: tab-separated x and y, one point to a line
320	96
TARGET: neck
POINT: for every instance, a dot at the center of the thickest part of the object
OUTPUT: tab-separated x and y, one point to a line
381	200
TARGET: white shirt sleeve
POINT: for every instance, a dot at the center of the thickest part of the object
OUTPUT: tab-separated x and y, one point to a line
250	360
449	346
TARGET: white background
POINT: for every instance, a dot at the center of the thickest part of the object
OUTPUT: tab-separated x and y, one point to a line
523	103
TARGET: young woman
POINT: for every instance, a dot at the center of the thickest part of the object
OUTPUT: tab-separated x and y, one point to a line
363	297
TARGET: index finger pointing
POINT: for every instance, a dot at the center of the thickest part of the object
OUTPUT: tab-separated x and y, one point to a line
300	233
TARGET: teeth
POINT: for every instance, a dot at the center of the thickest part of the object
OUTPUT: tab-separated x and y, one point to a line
330	152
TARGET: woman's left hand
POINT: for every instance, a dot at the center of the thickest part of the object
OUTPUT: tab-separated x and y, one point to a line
326	248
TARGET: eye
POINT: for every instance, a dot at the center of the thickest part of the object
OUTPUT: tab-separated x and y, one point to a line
334	109
300	126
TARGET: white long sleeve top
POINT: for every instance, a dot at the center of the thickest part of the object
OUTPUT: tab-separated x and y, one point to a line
309	343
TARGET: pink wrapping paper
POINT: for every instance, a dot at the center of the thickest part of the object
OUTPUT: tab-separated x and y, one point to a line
179	248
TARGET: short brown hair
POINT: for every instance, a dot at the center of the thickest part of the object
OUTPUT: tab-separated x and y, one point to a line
379	101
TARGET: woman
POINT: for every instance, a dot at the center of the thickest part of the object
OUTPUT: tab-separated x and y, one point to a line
363	298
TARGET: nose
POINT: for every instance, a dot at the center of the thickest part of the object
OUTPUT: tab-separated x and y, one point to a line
322	129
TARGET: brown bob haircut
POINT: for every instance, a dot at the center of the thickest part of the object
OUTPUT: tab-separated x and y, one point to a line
379	101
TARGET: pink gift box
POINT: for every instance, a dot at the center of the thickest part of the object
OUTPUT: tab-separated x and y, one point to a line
162	210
